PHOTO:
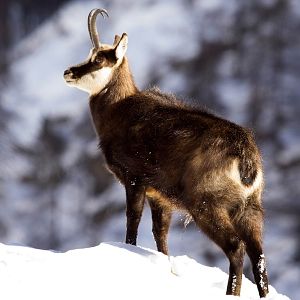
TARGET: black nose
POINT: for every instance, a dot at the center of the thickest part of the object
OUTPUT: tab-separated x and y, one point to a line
68	72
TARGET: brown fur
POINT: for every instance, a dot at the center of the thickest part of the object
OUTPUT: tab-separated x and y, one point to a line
181	157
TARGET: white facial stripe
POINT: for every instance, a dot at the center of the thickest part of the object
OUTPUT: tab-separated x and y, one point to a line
95	82
100	79
93	56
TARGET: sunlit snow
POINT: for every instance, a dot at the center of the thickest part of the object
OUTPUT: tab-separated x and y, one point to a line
111	271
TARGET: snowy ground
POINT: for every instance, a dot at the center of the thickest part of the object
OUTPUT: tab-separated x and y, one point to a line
111	271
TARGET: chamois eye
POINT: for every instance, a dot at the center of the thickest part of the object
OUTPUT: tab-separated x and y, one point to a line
99	58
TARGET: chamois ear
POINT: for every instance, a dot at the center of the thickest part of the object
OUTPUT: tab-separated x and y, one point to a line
121	47
117	39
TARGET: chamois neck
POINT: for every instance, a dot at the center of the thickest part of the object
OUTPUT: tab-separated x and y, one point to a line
121	86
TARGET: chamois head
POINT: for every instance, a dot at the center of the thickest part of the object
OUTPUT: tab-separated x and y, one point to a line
96	71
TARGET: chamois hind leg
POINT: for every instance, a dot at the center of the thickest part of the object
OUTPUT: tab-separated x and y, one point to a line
161	219
250	229
135	199
216	223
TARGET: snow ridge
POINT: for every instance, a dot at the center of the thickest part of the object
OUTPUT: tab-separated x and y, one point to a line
111	271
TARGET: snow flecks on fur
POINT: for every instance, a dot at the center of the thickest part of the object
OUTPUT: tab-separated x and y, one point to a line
262	268
261	263
233	287
188	219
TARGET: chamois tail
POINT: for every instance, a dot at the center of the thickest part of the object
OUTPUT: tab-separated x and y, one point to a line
249	163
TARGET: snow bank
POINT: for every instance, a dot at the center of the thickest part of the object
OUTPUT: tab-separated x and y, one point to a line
111	271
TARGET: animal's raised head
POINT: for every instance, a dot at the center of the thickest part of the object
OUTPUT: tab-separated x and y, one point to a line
94	74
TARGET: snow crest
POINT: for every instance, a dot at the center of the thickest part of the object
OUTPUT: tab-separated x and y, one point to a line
111	271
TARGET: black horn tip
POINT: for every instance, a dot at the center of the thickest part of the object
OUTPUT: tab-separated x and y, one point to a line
104	13
97	11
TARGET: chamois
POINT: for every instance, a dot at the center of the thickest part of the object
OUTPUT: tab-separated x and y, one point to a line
177	157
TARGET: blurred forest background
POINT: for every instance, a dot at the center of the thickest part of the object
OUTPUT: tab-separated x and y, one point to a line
238	58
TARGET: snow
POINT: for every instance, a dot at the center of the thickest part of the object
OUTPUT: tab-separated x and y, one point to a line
111	271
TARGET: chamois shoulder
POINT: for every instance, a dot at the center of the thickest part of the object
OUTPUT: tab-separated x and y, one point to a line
167	99
170	100
166	103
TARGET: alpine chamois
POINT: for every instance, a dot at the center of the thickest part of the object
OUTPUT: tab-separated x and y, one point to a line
176	156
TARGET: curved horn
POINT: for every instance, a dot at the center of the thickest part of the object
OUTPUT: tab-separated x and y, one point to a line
92	25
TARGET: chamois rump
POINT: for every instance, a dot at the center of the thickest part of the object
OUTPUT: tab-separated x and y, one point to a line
176	157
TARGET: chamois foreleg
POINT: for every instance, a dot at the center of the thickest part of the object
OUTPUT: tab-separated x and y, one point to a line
161	218
135	199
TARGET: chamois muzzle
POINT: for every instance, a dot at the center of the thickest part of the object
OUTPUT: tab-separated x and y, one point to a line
68	75
92	26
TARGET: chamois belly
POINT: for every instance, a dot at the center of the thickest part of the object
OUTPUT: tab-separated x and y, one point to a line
172	203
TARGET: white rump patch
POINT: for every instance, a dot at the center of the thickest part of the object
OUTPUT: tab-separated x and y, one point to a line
234	174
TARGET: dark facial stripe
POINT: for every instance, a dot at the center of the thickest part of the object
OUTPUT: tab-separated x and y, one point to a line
104	58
